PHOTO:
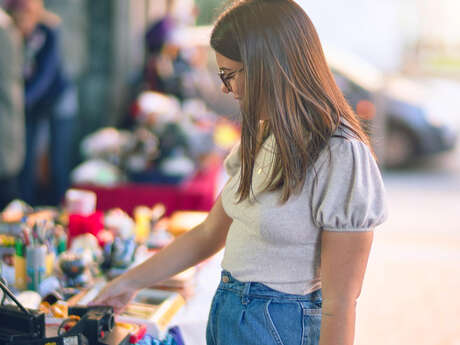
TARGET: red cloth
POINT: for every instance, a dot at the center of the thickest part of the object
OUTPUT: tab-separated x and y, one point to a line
79	224
197	193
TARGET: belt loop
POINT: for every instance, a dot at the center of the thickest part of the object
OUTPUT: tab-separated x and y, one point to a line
245	295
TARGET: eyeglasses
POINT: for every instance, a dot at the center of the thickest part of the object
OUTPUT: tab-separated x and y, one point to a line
226	78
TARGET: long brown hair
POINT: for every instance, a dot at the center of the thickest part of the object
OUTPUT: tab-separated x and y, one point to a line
288	80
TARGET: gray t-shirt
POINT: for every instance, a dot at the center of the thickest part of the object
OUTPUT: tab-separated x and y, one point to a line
279	244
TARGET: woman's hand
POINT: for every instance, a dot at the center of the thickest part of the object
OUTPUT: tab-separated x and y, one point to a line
185	251
117	294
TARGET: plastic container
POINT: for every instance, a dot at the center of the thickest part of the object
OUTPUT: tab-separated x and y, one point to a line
35	266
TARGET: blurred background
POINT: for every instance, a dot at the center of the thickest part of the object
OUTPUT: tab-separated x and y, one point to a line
398	64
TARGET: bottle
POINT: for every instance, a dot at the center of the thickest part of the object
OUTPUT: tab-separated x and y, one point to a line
60	240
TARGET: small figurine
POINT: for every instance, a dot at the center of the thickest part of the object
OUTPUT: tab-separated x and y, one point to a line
78	264
120	253
75	271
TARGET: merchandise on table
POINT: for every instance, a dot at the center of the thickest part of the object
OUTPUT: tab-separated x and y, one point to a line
167	144
183	221
101	245
152	308
81	202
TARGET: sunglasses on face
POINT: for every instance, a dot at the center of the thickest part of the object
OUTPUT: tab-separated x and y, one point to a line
227	77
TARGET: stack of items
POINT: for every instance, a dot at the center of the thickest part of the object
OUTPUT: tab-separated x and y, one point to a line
31	240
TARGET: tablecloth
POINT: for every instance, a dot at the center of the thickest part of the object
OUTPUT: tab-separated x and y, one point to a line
196	193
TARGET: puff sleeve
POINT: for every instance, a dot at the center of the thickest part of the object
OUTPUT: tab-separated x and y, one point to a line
348	192
232	162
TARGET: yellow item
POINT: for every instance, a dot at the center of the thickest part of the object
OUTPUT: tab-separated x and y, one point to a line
142	217
44	307
183	221
128	326
167	310
226	135
49	263
60	310
7	241
20	272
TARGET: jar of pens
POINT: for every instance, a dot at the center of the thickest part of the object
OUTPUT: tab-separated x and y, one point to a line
35	252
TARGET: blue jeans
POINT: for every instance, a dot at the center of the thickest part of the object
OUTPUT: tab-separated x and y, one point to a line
254	314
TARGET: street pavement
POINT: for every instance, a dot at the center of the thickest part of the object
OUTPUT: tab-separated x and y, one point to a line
411	293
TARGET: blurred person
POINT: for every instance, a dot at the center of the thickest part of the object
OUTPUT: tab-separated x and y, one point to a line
155	40
11	110
297	215
165	65
50	98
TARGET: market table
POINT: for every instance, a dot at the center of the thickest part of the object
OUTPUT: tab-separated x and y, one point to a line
197	193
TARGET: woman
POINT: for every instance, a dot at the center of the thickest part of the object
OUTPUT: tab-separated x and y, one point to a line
49	97
297	214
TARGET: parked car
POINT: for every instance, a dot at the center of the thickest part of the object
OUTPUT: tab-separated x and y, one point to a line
414	125
417	123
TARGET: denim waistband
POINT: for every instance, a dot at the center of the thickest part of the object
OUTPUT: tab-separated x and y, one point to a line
255	289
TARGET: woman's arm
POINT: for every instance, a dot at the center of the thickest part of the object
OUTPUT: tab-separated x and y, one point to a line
187	250
344	257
